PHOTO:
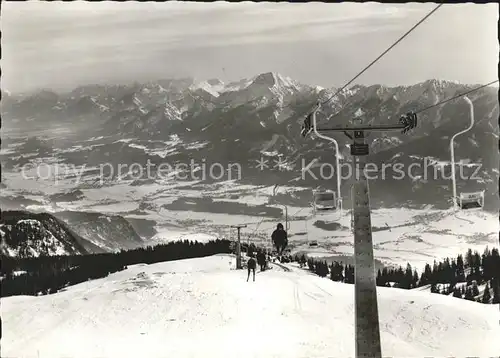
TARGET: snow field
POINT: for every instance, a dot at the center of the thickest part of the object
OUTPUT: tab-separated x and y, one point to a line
203	307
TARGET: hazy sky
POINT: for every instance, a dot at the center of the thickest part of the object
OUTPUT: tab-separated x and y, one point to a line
62	45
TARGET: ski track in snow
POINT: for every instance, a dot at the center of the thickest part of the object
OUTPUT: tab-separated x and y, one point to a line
205	308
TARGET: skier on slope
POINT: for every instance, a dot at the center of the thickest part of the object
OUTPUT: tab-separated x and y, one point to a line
261	260
280	239
251	264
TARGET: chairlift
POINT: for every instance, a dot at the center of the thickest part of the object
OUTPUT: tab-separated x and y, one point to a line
465	201
471	201
324	201
313	243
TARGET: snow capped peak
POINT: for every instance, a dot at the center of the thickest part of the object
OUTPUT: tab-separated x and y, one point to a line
269	79
215	82
238	85
273	84
318	89
213	86
359	113
275	80
206	86
277	83
438	83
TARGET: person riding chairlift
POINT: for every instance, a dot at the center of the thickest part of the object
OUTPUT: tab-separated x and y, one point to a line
280	239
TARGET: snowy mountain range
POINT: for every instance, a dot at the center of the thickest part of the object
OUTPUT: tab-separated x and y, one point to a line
181	120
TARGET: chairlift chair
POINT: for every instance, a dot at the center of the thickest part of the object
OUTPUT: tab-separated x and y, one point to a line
313	243
324	201
465	201
471	201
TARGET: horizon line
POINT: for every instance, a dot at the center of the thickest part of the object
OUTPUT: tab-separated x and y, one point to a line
199	81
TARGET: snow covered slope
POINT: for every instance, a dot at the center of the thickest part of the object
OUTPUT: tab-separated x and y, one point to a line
204	308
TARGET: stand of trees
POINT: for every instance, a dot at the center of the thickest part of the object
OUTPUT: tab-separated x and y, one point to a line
460	276
48	274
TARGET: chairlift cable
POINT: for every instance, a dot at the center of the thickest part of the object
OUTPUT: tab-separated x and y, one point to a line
386	51
437	104
360	73
364	70
455	97
379	57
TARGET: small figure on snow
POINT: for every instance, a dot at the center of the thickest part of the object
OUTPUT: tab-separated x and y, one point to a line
251	264
280	239
261	260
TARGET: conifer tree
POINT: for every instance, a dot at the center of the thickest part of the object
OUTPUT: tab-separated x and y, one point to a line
349	274
407	278
302	260
468	258
468	294
415	282
486	295
460	269
434	274
475	289
425	279
495	264
477	267
336	270
321	269
310	264
496	290
378	280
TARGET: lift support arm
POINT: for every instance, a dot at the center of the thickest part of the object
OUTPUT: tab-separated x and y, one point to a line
406	123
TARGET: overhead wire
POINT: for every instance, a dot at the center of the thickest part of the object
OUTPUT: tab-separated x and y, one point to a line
454	97
378	58
360	73
385	52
